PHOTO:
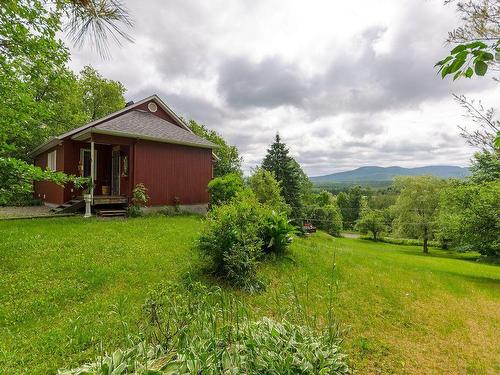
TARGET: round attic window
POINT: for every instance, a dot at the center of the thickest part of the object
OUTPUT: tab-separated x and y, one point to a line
152	107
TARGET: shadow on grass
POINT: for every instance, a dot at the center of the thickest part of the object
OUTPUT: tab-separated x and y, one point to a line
480	280
435	252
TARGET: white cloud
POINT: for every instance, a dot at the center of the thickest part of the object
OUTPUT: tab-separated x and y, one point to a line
345	83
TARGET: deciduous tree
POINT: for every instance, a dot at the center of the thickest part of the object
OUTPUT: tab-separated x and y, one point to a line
371	221
417	206
228	160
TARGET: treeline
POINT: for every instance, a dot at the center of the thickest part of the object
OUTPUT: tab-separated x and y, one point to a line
459	214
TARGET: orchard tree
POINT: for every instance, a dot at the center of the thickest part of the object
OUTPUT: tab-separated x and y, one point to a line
417	206
228	160
371	221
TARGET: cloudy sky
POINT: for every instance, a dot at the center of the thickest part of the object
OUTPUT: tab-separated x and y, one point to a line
346	84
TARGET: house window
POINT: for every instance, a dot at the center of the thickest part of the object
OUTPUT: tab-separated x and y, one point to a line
52	160
85	162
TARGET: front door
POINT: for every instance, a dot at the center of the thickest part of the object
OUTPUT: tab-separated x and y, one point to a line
115	172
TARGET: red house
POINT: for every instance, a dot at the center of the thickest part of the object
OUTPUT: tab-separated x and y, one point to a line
145	142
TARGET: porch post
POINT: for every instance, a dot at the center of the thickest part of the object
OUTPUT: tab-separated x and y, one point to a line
92	176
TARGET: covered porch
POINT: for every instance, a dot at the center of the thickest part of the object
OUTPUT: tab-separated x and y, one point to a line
106	160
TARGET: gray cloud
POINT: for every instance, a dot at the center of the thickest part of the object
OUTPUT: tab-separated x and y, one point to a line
269	83
355	101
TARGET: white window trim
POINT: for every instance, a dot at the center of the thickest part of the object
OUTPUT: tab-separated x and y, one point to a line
52	160
82	151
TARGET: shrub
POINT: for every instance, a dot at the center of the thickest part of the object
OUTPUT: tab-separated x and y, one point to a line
277	233
267	190
232	240
139	195
327	218
223	189
194	329
134	211
139	199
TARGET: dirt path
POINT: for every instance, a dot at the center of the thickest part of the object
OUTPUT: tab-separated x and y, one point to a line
29	211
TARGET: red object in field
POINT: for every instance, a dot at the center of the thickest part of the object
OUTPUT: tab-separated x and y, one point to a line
309	228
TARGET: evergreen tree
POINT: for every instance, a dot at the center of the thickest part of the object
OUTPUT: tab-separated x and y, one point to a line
287	172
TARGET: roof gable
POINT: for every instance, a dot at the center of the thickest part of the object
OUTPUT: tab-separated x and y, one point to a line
164	112
145	125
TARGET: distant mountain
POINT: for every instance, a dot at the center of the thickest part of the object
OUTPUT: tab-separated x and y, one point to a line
372	174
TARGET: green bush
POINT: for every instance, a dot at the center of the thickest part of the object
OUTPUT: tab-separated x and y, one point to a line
139	200
134	211
327	218
223	189
232	240
195	329
267	190
277	233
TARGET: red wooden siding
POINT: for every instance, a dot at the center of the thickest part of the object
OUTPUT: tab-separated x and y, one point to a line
170	171
48	191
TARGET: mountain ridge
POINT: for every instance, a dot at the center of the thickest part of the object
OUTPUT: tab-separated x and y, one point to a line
376	173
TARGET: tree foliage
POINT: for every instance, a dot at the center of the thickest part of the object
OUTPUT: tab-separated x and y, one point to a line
372	221
485	167
477	40
100	96
228	160
417	206
17	177
486	124
39	96
350	205
288	173
469	216
223	189
96	22
267	190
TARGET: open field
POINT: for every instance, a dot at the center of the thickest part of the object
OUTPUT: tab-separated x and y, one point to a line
67	284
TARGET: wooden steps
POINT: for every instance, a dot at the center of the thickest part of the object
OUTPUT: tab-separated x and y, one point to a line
111	213
70	206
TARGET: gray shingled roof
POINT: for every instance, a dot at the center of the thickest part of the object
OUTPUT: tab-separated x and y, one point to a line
145	124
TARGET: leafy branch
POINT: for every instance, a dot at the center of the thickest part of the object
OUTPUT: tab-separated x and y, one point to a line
468	59
17	178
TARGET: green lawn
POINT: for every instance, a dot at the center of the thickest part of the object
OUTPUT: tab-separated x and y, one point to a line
67	284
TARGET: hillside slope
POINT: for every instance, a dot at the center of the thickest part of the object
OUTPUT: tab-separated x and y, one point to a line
373	173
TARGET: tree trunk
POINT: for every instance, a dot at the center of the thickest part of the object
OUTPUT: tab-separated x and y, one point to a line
426	248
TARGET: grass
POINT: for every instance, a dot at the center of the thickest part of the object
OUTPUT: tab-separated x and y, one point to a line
66	286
